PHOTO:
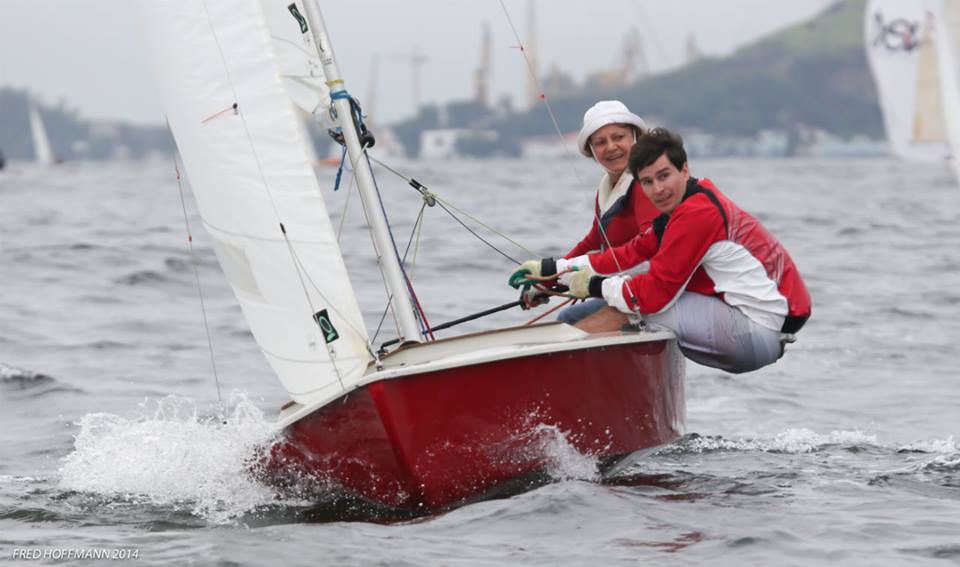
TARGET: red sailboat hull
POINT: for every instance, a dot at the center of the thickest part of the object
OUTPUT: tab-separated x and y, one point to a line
432	440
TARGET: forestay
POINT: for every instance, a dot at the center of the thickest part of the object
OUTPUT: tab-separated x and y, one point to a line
904	59
249	170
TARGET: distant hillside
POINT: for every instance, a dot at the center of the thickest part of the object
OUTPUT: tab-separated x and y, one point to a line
810	75
71	136
813	74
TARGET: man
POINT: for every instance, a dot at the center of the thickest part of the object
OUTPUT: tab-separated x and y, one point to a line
717	278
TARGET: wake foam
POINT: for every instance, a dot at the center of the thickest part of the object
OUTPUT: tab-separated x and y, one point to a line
791	441
797	441
563	461
946	455
171	455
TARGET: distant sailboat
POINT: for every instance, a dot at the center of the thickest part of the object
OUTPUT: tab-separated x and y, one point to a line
910	49
42	152
948	55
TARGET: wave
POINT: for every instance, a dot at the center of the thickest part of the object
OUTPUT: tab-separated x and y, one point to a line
803	440
173	455
142	277
790	441
18	377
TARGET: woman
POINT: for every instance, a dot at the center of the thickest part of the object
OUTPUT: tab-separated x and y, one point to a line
621	209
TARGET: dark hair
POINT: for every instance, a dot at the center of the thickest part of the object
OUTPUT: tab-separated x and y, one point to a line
652	145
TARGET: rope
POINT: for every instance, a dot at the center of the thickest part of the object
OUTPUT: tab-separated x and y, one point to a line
346	205
423	190
543	95
547	312
556	125
470	317
424	324
343	158
196	273
313	308
405	252
482	239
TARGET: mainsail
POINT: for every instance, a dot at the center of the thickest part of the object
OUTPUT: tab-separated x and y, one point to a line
42	153
224	86
902	53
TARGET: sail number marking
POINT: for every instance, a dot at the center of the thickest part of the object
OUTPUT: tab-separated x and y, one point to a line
330	333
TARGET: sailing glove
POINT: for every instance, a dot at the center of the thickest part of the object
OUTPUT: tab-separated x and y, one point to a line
532	268
583	283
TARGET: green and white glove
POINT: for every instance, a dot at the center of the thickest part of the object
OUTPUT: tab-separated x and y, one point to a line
534	268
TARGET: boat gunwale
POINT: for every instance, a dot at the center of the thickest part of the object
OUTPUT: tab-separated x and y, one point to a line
293	410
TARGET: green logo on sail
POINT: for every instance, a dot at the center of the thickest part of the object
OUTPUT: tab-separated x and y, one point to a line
300	20
330	333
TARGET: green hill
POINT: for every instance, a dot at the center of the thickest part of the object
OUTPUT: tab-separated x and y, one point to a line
813	74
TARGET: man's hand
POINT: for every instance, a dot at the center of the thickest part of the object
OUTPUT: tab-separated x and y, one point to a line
520	274
579	282
532	269
532	297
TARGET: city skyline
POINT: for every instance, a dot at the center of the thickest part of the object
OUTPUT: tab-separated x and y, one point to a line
89	56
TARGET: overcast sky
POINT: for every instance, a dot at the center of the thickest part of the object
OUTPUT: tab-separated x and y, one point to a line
87	53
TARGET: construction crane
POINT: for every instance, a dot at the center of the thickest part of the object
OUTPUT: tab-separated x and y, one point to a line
481	76
531	75
417	60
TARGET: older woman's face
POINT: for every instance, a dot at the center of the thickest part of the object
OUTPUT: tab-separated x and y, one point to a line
611	146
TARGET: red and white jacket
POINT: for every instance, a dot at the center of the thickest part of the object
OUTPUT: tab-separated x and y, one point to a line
708	245
623	210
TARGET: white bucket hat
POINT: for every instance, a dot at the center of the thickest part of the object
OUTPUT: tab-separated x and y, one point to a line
603	113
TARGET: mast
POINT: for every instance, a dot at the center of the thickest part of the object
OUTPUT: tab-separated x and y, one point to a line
389	262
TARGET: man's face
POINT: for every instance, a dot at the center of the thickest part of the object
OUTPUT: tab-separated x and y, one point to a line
664	184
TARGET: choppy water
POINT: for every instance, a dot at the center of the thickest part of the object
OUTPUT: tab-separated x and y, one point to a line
845	452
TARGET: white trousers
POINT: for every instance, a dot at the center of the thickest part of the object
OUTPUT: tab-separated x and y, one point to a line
717	335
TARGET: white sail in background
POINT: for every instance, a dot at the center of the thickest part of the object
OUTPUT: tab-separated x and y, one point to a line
42	152
947	36
905	64
249	170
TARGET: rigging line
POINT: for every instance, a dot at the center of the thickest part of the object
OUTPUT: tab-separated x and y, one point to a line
416	246
548	312
417	225
543	94
383	318
568	154
386	288
196	273
486	226
346	205
416	231
482	239
414	184
419	313
330	350
302	271
386	310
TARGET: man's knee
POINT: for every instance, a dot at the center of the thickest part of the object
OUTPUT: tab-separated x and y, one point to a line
605	320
